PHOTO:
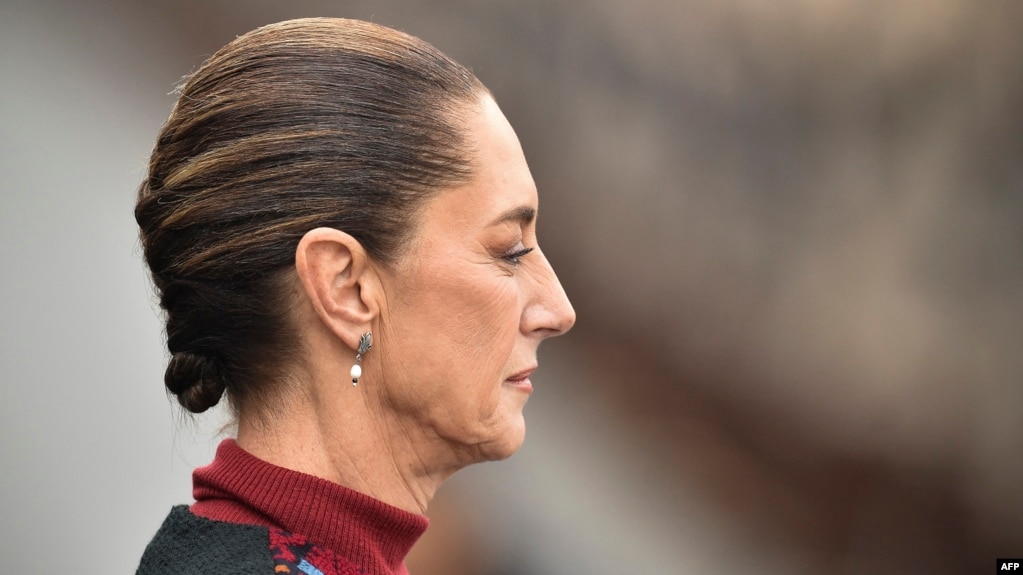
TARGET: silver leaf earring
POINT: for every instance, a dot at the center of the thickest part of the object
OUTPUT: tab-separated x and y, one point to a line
365	344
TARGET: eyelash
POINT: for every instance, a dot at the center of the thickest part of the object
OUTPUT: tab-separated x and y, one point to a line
515	258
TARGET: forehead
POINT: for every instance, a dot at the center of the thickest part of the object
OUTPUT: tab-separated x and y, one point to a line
501	183
499	159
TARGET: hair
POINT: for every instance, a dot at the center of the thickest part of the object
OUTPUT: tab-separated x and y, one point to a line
297	125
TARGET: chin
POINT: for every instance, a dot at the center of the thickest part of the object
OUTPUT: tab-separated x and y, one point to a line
509	442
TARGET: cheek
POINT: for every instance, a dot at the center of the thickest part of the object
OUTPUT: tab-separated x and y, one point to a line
487	332
483	324
458	328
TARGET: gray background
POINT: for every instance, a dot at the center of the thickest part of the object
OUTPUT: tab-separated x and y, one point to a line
792	231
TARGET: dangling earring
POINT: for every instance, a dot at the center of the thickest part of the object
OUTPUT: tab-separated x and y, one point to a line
365	344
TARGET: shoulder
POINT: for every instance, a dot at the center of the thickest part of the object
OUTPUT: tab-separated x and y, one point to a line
187	544
190	545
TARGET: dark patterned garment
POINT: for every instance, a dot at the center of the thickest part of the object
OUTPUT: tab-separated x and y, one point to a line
187	544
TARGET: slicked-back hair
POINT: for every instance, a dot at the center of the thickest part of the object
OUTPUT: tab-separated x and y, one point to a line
293	126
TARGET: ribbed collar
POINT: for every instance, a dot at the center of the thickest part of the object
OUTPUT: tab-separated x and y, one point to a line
239	488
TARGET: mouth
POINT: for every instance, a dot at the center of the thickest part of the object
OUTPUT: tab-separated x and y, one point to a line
521	380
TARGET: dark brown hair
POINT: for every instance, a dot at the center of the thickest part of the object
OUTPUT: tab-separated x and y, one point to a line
293	126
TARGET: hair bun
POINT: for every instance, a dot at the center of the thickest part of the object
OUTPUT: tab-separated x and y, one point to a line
195	379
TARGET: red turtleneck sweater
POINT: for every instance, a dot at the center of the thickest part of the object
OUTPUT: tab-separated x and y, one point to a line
310	524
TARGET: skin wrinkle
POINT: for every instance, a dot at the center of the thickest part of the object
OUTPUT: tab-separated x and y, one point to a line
418	469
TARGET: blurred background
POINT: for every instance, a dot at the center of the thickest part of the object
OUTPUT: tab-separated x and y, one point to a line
792	231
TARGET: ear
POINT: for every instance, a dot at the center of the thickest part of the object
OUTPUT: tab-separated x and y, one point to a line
339	281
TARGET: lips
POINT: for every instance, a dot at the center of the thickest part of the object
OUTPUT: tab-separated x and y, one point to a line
521	381
522	375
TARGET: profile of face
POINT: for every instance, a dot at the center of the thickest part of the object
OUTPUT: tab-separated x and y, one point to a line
469	303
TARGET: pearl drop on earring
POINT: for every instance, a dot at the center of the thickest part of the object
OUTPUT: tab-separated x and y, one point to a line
365	344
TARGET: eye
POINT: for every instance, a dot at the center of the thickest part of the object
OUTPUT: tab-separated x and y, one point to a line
515	258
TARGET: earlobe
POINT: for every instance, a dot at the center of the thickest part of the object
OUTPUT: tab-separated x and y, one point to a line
338	280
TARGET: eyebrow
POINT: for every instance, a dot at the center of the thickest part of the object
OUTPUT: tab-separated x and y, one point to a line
521	214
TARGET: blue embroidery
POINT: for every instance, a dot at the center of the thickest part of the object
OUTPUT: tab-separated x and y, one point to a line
308	568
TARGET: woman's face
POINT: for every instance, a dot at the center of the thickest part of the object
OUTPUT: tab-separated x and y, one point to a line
466	307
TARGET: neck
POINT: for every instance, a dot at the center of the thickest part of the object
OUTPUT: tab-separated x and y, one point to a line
347	437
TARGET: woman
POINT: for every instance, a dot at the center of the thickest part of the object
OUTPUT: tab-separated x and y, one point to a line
340	224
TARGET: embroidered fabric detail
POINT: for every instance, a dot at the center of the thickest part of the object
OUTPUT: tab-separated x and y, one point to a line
295	555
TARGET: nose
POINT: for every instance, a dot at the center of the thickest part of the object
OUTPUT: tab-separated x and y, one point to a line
548	313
